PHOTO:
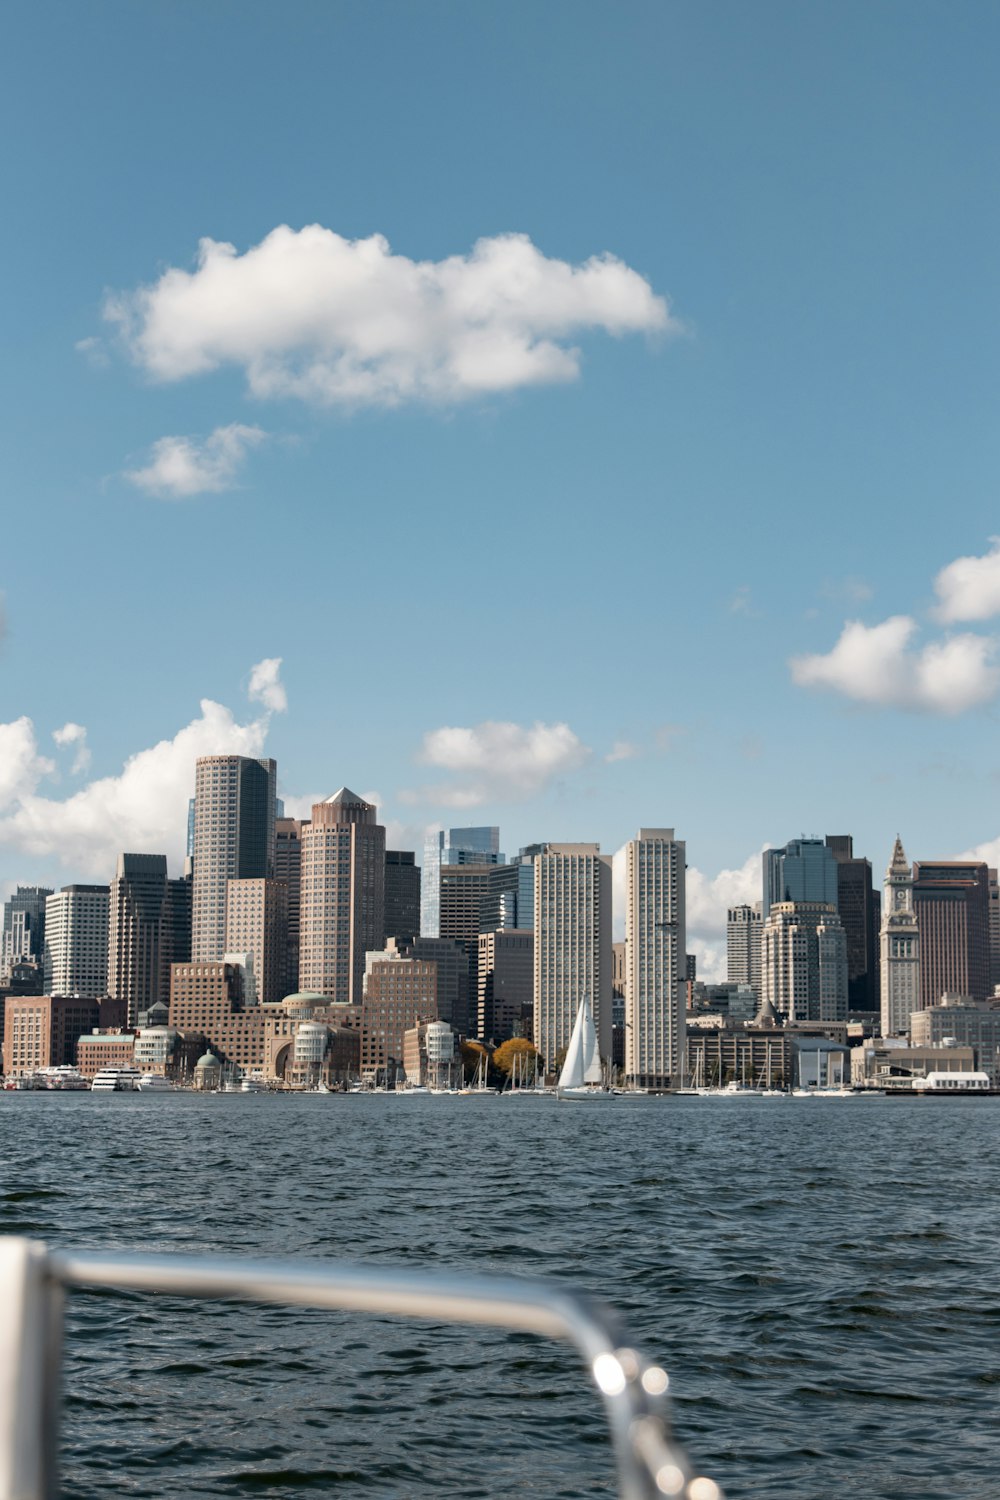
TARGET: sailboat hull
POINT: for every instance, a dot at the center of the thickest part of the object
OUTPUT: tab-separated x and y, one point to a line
593	1093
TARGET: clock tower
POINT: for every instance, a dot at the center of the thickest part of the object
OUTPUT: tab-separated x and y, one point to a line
900	947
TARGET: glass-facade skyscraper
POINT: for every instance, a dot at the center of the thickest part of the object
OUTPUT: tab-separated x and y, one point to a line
804	870
452	846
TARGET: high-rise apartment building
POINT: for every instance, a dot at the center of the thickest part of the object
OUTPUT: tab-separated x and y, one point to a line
142	933
858	908
804	961
572	945
402	894
234	837
952	901
342	913
655	959
743	928
900	944
257	923
452	846
288	867
803	870
506	984
23	937
76	941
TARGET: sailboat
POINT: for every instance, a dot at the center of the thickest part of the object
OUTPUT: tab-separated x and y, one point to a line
582	1076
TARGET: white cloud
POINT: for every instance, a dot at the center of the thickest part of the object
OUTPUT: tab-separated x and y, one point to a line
622	750
310	314
181	466
143	808
74	734
969	587
877	664
497	761
266	686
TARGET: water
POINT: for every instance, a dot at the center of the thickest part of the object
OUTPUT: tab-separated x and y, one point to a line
817	1276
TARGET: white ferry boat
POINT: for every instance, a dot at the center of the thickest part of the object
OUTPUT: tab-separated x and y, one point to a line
115	1081
252	1083
154	1083
61	1078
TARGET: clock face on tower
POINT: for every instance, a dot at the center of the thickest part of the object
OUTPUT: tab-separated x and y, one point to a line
900	899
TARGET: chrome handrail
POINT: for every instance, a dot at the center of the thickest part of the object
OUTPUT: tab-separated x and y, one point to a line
33	1281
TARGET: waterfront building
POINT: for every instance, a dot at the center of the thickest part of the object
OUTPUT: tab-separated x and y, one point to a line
288	867
858	906
506	979
951	899
743	928
257	923
206	999
96	1050
655	959
402	894
343	895
891	1063
804	961
452	846
288	1063
720	1053
430	1055
234	839
149	928
900	947
76	941
958	1020
41	1031
572	945
399	993
22	939
804	870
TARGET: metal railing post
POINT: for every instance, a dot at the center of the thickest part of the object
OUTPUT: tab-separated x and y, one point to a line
31	1303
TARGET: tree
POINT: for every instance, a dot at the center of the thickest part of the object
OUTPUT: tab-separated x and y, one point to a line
472	1054
517	1048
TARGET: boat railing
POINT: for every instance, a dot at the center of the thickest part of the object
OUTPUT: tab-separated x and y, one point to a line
34	1281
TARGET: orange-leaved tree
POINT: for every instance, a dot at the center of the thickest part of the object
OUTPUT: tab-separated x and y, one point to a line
517	1047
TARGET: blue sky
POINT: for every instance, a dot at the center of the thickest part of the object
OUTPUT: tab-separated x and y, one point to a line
807	438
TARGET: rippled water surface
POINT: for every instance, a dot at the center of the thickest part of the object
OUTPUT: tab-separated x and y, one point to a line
819	1277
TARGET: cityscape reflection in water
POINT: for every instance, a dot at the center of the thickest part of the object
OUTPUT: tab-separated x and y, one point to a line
817	1282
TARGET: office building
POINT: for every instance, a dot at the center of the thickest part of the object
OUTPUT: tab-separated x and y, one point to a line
76	941
402	894
804	870
41	1031
456	1000
206	1000
342	914
572	945
234	839
452	846
804	961
399	993
994	931
288	867
743	928
858	906
149	928
23	937
257	923
900	947
506	985
655	959
951	899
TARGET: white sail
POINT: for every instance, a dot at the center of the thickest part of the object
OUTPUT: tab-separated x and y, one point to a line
583	1060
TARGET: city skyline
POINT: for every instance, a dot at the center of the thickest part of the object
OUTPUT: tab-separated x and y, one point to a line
651	328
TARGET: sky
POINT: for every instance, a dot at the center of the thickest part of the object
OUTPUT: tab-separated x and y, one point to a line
571	416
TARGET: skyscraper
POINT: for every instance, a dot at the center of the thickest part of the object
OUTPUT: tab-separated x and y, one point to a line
803	870
76	941
743	929
23	936
257	923
803	965
655	959
900	942
288	867
572	945
342	914
454	846
952	901
858	908
140	945
233	840
506	976
402	894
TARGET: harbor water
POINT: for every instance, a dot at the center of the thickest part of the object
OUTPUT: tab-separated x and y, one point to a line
818	1276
